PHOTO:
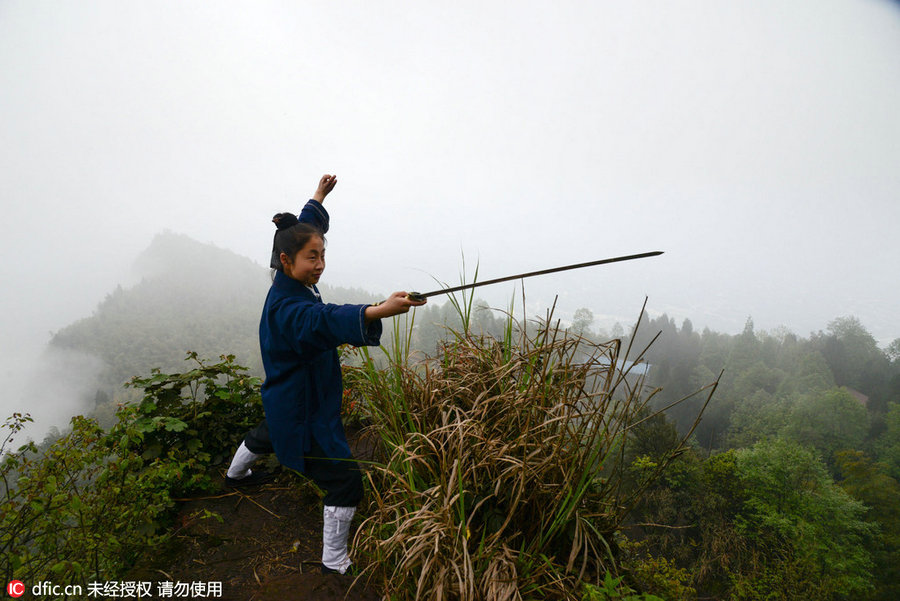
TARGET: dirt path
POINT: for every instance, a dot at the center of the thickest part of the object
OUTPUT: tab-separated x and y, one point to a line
267	545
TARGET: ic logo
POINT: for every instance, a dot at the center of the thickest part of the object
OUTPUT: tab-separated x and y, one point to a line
15	588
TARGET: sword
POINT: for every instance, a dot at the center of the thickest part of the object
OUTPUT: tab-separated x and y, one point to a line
420	296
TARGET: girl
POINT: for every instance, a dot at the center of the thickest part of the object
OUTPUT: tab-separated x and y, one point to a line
302	392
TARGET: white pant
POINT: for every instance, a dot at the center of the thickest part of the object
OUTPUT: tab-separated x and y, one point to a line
335	532
336	520
241	462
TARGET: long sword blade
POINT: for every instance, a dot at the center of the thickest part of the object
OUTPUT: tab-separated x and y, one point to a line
422	296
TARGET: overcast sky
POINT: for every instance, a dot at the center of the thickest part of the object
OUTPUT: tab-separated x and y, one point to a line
756	142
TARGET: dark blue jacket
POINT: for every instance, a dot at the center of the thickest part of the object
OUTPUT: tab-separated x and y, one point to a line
298	337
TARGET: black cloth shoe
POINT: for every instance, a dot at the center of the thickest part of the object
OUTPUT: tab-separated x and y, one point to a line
351	572
254	479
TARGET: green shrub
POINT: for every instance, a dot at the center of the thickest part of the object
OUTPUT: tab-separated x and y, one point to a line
195	418
90	503
81	508
613	589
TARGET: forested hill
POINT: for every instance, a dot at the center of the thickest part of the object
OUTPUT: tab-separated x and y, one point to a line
773	378
792	487
789	489
191	297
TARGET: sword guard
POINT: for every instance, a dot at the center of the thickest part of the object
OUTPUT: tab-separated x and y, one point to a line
415	296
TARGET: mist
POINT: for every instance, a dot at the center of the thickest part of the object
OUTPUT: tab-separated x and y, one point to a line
756	144
60	383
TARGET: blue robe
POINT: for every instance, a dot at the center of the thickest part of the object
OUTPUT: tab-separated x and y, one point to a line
298	337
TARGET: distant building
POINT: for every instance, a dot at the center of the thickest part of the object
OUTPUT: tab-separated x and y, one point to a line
863	399
636	370
635	373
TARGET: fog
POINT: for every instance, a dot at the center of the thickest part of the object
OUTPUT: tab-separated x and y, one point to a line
756	143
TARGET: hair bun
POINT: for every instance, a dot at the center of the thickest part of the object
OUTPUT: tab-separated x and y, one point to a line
285	220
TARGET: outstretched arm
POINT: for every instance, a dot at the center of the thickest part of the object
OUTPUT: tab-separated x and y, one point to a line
397	303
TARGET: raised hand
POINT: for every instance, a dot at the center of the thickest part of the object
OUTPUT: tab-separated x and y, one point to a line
326	185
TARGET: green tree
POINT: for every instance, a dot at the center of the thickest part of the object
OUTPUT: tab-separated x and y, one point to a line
744	354
810	374
755	418
888	444
674	358
829	422
855	359
812	535
757	377
740	353
870	483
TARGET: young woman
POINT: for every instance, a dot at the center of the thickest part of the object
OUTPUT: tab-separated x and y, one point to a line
302	392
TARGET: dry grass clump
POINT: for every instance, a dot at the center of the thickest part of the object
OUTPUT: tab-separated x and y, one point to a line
501	470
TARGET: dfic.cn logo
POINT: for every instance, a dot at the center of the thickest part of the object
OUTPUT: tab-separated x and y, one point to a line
15	588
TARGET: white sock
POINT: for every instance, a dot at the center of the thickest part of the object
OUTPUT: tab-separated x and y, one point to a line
240	464
335	531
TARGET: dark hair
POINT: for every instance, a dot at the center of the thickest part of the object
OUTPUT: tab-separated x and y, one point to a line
290	238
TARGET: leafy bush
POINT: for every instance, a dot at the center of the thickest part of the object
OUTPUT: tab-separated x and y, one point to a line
613	589
89	504
195	418
655	574
81	508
